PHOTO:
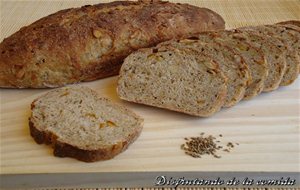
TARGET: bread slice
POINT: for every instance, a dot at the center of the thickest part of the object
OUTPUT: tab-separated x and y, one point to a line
293	28
166	77
231	64
252	56
290	35
291	32
275	52
79	123
289	44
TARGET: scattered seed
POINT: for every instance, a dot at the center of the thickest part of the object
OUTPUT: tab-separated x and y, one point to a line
226	150
182	146
197	146
204	145
230	145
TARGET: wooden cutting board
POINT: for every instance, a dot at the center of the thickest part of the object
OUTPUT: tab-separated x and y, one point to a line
266	128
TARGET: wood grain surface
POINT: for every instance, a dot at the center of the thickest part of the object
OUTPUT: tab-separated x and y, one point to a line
267	127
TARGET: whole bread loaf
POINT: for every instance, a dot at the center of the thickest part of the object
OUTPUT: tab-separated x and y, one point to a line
88	43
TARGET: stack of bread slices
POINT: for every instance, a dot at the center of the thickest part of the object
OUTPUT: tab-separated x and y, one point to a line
202	74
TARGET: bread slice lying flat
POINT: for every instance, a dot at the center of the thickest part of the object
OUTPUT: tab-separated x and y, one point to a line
79	123
169	78
254	58
231	64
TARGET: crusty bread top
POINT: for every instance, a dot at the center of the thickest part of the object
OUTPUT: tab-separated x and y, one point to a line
291	22
79	117
82	44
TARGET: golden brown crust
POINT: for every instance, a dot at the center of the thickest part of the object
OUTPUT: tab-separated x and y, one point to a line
88	43
62	149
292	22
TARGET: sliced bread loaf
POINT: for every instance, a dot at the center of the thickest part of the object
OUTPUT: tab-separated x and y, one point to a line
169	78
231	64
253	57
274	50
288	43
79	123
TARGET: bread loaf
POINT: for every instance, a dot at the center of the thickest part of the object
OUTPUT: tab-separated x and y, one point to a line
88	43
175	74
78	123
